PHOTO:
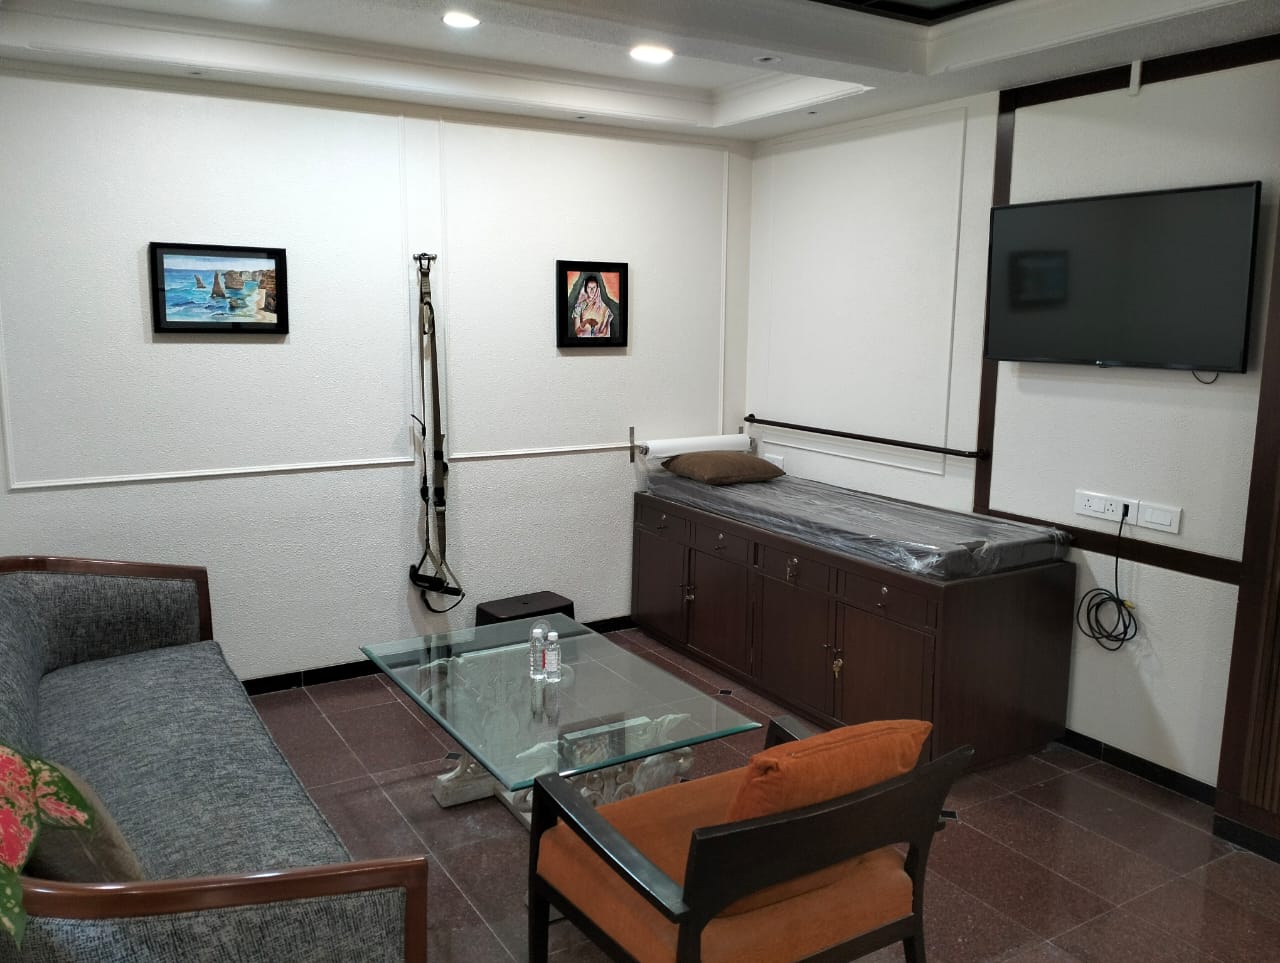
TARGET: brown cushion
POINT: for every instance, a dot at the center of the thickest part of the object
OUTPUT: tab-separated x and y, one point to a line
722	467
871	890
97	855
822	767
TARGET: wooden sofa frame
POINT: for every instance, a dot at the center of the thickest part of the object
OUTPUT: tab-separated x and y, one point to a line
87	901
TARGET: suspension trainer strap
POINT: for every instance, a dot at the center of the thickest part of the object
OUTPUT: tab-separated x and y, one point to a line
435	484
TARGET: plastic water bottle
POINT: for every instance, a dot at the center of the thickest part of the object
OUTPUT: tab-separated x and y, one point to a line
551	659
537	651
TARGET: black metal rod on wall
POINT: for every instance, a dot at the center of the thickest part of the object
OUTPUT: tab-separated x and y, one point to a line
955	452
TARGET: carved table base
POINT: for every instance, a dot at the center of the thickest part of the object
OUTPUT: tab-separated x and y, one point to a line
470	781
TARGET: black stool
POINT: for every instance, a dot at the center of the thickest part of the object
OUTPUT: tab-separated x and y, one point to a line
522	607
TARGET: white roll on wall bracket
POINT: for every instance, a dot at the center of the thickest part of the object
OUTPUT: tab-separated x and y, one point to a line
666	447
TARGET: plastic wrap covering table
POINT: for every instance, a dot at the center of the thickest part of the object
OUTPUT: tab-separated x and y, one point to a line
913	538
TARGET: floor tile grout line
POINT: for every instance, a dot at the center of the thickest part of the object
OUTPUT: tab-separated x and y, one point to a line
1140	802
1082	828
370	775
341	737
1048	869
439	866
1080	825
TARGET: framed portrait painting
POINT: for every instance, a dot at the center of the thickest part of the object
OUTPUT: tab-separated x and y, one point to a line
591	304
218	289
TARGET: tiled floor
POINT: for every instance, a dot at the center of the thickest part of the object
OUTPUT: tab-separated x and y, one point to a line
1055	857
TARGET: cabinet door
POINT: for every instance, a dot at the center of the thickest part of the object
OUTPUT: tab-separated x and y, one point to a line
658	580
794	640
887	670
718	612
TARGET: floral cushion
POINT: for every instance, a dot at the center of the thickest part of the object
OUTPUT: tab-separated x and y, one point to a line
75	855
33	793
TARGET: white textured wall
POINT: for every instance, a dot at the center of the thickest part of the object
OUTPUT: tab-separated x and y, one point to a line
101	173
307	564
868	251
1156	435
515	202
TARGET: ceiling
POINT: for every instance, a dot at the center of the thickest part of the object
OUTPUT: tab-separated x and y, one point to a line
567	60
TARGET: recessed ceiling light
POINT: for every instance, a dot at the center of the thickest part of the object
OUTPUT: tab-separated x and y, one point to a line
766	59
463	21
649	54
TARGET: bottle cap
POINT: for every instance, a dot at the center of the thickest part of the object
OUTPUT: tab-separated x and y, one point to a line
553	636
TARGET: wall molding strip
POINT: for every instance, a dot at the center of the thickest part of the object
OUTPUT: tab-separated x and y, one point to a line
1197	564
537	452
168	476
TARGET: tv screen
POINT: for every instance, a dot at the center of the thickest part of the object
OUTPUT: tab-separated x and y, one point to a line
1160	279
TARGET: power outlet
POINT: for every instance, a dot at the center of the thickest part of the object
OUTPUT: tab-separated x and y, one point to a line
1110	507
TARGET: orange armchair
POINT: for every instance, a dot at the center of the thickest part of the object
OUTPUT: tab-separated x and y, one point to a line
792	857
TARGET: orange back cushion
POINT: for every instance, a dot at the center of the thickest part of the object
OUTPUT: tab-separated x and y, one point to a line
826	766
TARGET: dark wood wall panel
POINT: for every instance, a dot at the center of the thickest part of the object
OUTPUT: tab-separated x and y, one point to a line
1248	790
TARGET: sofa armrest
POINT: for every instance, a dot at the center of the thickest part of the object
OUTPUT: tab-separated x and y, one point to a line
174	904
97	609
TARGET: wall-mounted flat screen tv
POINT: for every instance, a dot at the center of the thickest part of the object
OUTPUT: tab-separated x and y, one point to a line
1161	279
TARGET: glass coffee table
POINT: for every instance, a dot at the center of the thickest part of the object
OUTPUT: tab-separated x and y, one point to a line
617	721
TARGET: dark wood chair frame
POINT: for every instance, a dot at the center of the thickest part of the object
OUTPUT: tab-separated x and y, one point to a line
162	897
725	862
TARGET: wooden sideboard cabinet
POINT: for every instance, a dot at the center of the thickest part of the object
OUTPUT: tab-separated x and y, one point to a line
843	640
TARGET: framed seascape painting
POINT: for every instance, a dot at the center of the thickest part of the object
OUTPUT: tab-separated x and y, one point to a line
591	304
216	289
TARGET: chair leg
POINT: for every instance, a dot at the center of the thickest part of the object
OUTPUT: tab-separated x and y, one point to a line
539	926
913	946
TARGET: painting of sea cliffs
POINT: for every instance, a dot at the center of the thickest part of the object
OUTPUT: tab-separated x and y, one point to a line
213	288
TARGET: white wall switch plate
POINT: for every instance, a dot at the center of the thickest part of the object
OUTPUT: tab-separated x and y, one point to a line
1162	518
778	460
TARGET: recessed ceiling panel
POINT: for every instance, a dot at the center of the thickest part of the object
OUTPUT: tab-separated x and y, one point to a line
916	11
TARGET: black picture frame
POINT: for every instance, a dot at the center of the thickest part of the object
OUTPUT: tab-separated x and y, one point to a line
193	289
574	317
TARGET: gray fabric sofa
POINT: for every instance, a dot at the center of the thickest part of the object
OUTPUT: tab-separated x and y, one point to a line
110	669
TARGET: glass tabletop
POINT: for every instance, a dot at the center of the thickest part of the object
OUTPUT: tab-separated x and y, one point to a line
610	706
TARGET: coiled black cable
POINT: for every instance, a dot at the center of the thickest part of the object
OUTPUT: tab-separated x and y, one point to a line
1102	614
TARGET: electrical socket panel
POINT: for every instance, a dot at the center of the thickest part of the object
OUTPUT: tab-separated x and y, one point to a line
1110	507
778	460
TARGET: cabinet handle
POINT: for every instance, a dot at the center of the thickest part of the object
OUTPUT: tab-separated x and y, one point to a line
688	592
720	546
836	666
884	590
793	568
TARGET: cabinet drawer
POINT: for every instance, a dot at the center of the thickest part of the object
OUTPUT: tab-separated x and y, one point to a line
795	570
664	523
897	603
722	544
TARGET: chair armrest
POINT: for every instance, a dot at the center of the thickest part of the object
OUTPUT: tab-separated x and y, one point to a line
157	898
554	797
787	728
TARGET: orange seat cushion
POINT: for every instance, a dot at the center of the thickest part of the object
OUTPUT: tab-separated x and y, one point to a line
868	892
826	766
